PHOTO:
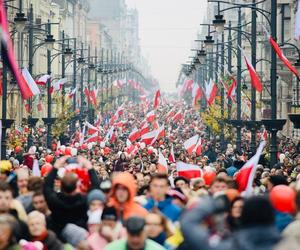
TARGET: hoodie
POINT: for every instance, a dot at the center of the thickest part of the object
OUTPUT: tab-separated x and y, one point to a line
130	207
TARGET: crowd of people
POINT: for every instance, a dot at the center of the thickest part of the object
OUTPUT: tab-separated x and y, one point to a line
112	193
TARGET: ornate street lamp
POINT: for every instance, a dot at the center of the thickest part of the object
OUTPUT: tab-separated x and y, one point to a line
209	43
49	42
20	21
201	54
219	23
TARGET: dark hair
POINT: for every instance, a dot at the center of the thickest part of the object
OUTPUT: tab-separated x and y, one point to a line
219	179
278	180
257	210
180	178
298	200
35	183
38	193
159	176
4	186
69	183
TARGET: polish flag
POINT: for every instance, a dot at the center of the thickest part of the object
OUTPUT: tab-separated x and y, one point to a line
150	116
246	174
156	99
130	148
188	171
134	135
178	116
120	111
91	128
162	165
110	134
188	85
196	93
160	133
255	81
232	90
155	125
149	138
94	138
30	82
264	135
56	86
43	80
72	93
93	96
87	94
297	22
81	136
145	129
280	54
198	148
8	56
191	143
172	156
211	90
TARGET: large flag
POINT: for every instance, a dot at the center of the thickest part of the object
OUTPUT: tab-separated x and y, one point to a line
196	93
191	143
134	135
280	54
162	163
246	174
43	80
91	128
149	138
144	129
211	90
198	147
297	22
30	82
172	156
156	99
8	56
56	86
255	81
188	171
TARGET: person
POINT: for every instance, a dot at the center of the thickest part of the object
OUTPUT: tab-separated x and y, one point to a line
69	206
158	198
121	164
219	184
122	197
8	240
39	203
136	237
257	230
39	232
234	217
181	182
157	228
110	229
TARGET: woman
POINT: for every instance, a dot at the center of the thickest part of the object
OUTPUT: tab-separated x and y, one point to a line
234	217
157	228
121	164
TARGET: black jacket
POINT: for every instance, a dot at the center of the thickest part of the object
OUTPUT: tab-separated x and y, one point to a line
67	208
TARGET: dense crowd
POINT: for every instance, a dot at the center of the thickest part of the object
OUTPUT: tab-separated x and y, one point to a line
112	193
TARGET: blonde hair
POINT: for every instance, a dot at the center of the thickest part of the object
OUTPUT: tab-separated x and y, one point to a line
36	214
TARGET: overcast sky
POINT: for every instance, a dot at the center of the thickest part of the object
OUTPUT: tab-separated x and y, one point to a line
167	29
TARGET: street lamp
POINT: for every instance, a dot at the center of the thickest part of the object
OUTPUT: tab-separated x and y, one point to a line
68	54
219	23
20	22
209	43
81	62
201	54
49	42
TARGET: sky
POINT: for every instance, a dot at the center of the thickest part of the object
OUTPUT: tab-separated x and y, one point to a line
167	30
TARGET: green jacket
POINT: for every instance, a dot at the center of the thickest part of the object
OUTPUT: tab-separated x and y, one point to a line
121	245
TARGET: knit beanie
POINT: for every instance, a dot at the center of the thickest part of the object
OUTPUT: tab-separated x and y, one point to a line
96	194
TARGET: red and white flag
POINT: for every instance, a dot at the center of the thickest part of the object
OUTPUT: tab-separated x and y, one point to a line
264	135
188	171
56	86
178	116
43	80
144	129
134	135
171	155
232	89
198	148
72	93
149	138
196	93
110	133
162	166
255	81
91	128
160	132
246	174
8	55
30	82
280	54
191	143
93	96
156	99
211	91
94	138
150	116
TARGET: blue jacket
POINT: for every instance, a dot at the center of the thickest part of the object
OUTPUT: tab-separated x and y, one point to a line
166	206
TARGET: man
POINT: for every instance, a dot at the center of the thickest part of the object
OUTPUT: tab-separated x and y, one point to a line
110	229
181	182
136	237
39	203
122	197
68	206
219	184
158	199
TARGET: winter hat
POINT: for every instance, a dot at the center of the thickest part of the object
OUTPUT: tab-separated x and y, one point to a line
96	194
231	171
109	213
74	234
